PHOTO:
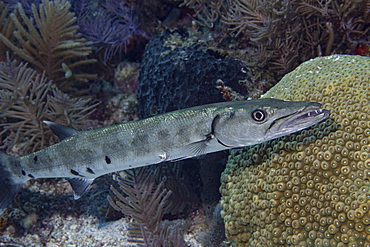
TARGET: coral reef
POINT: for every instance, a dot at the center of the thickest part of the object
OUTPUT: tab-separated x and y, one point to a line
146	202
126	77
120	28
27	4
120	109
28	98
49	41
183	198
310	188
61	220
112	27
215	236
179	71
281	34
6	28
105	30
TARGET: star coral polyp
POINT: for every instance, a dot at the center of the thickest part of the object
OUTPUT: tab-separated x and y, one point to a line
310	188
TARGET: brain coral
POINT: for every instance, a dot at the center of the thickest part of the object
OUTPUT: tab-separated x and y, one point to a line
310	188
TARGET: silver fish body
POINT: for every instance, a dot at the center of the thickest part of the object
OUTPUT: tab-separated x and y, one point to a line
82	156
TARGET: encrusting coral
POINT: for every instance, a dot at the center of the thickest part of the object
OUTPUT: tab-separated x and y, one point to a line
310	188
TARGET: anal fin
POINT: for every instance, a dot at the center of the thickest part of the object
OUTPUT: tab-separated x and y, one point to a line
79	186
7	196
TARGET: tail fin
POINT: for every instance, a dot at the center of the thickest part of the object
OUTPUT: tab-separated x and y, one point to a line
9	184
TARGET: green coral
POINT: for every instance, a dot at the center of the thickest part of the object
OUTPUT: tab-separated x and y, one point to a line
310	188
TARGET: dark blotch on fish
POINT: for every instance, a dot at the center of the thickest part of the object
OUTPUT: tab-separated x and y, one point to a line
88	169
164	134
107	160
75	172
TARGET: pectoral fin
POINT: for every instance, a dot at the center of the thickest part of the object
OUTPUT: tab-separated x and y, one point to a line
194	149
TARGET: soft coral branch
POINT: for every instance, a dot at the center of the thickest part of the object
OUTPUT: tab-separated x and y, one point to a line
146	202
48	40
111	27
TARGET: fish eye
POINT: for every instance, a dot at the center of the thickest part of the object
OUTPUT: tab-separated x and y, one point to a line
259	115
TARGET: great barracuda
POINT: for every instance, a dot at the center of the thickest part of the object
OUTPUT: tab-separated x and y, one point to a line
82	156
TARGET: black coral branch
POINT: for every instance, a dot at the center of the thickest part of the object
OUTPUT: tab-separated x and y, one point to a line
49	41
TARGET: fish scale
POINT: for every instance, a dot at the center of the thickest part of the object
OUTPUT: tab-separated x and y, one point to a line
82	156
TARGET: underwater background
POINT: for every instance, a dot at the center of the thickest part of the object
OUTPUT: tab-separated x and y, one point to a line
90	64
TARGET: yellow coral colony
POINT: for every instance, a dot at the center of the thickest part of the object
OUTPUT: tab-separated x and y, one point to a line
311	188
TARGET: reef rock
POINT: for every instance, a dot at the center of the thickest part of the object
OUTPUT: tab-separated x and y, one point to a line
310	188
179	71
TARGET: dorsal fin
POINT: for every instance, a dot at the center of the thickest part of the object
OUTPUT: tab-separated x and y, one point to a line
61	131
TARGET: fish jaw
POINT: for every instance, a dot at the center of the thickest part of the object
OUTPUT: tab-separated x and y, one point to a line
297	121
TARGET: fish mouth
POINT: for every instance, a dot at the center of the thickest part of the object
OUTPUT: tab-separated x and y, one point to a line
298	120
305	118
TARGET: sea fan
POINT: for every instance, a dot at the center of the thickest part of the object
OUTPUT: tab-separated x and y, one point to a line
27	4
69	111
6	29
49	42
146	203
22	98
26	99
107	34
110	27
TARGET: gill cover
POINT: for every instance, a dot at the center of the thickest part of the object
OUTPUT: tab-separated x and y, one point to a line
237	127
